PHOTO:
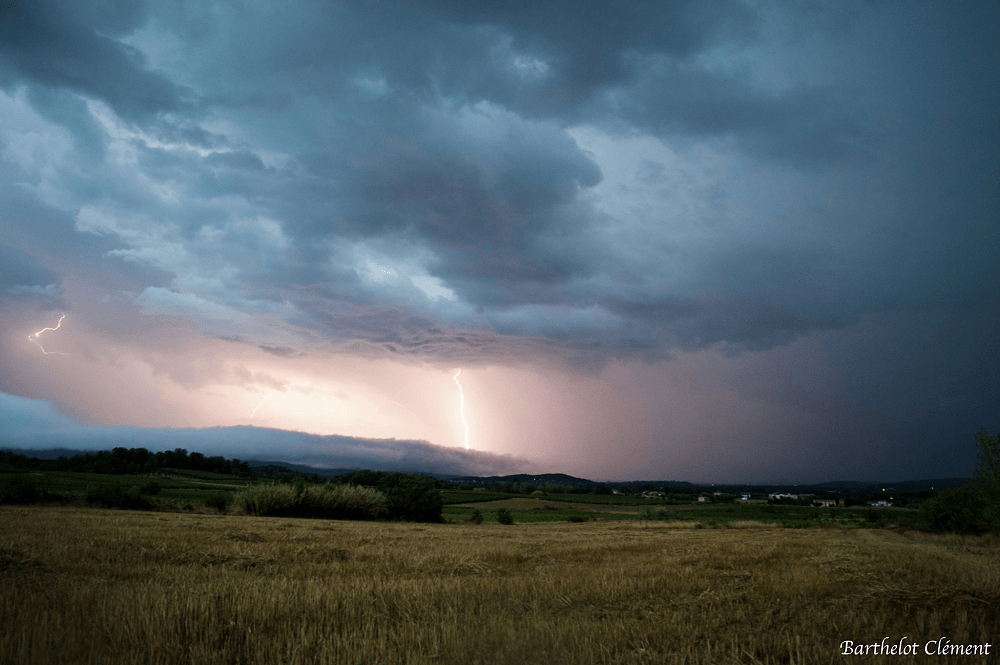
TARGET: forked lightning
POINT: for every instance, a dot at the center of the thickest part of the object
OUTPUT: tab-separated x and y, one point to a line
34	338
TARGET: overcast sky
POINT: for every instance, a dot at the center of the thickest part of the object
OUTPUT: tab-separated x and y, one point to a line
733	241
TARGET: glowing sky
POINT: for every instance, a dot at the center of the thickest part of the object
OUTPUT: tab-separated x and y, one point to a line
731	241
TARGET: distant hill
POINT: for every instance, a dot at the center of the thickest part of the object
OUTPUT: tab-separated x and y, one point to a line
525	478
299	468
50	453
897	485
840	486
328	473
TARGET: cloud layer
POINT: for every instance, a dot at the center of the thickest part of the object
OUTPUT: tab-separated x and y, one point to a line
34	425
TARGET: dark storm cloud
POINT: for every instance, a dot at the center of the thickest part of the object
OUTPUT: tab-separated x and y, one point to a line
68	109
493	183
282	351
67	45
497	206
19	271
605	63
290	155
804	124
587	47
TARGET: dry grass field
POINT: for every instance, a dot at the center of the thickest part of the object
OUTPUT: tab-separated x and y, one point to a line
96	586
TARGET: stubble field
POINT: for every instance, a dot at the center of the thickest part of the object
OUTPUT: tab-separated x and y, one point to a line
95	586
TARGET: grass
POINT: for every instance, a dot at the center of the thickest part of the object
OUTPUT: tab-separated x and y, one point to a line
327	501
533	509
99	586
604	499
174	489
539	513
466	496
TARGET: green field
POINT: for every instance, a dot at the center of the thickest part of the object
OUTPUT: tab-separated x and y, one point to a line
467	496
176	487
185	489
544	509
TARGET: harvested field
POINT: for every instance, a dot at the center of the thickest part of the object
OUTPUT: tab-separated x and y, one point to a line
100	586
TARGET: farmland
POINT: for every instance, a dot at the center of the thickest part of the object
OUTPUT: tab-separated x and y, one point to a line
87	585
186	489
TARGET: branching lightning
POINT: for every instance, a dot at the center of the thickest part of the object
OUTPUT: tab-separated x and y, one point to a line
260	403
34	338
461	397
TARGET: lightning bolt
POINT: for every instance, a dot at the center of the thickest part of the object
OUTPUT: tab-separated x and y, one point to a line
260	403
34	338
461	410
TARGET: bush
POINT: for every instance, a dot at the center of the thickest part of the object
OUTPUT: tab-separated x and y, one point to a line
873	516
988	476
336	502
477	516
23	491
412	498
957	511
504	517
217	501
152	487
118	497
659	514
20	491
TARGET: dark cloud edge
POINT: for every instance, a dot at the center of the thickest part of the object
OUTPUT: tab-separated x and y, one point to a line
30	424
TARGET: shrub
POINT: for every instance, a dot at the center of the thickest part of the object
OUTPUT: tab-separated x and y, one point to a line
118	497
477	516
217	501
348	502
656	514
23	491
873	516
20	491
957	511
988	476
504	517
152	487
339	502
412	498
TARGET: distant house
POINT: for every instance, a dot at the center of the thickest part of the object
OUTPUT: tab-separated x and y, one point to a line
881	504
745	496
704	499
825	503
780	495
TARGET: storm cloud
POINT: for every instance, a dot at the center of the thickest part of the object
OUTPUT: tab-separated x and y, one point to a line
559	188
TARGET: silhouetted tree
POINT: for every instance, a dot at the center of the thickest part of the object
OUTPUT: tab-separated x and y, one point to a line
988	475
957	511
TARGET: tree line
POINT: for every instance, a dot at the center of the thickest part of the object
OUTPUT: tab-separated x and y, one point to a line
132	461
